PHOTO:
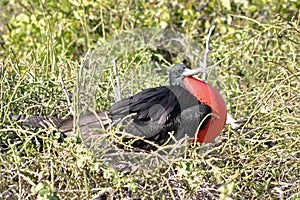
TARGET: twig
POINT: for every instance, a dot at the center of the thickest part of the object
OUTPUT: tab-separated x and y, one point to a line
67	95
85	58
117	90
1	67
206	53
114	87
229	120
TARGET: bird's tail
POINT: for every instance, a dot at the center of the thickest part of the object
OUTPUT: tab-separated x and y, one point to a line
37	121
90	123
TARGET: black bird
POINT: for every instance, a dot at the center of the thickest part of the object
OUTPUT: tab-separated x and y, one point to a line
151	115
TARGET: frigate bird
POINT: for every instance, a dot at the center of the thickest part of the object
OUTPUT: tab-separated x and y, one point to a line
156	116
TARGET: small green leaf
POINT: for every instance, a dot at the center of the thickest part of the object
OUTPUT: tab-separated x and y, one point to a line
23	18
226	4
65	6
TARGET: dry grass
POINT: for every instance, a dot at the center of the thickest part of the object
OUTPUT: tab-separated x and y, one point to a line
258	62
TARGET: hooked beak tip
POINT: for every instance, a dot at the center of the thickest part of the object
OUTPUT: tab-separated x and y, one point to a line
191	72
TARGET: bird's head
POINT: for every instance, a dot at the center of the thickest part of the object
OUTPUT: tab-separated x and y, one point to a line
206	94
179	72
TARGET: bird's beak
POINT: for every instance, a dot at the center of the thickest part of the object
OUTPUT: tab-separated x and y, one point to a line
191	72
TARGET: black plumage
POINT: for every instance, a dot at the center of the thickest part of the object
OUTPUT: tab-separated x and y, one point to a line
151	115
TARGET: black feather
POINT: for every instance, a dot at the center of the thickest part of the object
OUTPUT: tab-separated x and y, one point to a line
150	114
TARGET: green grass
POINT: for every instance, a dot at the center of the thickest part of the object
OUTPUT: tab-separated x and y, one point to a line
254	48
